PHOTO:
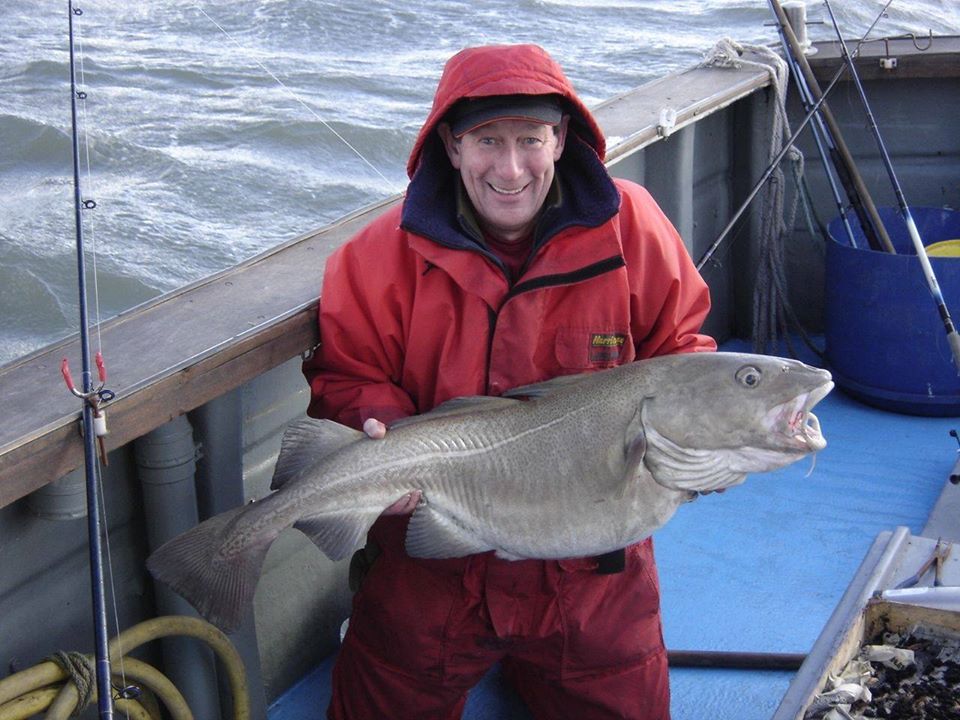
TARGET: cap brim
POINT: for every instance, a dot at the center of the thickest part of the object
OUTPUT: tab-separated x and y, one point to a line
477	113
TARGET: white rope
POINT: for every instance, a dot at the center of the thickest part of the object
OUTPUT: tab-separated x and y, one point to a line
771	305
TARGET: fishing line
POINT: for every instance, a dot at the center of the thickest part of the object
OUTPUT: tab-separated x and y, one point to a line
90	397
91	226
771	168
296	97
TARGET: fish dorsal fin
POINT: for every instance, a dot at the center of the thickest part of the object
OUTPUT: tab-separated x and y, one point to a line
547	387
457	406
432	534
306	441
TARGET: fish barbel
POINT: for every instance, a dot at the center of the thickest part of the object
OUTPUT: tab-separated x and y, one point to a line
573	467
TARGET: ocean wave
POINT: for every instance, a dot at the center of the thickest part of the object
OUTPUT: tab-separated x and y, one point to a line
29	142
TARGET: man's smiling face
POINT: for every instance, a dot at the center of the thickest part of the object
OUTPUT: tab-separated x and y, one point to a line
507	168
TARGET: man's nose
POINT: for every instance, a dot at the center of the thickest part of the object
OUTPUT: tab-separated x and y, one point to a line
509	162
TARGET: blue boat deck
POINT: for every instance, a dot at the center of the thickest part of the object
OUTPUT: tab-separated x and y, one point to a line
761	567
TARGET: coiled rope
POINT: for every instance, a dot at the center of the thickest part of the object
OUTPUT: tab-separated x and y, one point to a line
80	671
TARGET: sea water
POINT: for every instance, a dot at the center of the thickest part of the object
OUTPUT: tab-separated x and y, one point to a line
214	130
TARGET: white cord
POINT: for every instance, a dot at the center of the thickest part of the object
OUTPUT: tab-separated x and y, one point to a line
299	100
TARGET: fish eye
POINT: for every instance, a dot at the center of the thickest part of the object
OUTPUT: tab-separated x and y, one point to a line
749	376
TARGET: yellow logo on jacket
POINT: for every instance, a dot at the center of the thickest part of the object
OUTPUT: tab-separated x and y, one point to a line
606	347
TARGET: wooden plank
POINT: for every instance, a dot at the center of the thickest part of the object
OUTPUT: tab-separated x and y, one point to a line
631	120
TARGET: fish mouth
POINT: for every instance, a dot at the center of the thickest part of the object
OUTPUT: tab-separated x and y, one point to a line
795	420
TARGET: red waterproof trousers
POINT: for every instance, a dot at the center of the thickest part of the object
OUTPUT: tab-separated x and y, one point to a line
575	644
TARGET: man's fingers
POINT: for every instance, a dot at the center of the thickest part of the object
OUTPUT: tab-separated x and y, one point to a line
374	428
406	504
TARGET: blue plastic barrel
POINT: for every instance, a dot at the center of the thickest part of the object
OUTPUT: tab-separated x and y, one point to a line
886	343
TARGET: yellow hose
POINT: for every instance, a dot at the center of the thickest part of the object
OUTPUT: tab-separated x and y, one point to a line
202	630
35	702
30	687
132	709
133	669
27	705
33	678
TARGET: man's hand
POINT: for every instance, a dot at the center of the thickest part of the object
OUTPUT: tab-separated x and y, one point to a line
408	503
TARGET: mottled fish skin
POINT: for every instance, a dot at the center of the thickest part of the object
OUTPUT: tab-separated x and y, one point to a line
580	466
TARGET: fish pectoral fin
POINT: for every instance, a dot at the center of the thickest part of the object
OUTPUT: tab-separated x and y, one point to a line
431	534
635	447
305	442
338	534
457	406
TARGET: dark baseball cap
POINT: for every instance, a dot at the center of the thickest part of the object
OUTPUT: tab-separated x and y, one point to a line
471	113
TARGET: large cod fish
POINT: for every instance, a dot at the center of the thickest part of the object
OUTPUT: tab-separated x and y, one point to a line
584	465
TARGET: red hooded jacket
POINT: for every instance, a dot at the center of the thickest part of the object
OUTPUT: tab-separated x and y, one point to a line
415	310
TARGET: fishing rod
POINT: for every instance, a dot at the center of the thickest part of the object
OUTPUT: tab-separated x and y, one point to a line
90	396
771	168
952	337
821	135
846	168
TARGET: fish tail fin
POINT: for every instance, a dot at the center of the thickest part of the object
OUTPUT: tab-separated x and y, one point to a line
219	584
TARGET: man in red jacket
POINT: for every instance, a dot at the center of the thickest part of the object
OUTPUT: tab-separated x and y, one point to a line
514	258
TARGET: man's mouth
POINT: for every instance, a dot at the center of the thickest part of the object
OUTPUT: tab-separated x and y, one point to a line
506	191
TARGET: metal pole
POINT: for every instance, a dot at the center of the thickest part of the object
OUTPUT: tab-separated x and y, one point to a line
104	692
731	660
952	337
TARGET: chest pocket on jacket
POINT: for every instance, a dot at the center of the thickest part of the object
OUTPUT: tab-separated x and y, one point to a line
584	349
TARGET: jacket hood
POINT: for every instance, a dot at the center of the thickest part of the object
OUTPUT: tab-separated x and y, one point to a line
505	70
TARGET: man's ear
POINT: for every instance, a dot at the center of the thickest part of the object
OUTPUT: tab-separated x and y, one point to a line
450	144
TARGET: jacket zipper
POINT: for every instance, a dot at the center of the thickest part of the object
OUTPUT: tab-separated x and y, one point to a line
614	262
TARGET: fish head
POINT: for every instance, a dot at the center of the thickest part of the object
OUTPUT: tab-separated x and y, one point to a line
714	417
